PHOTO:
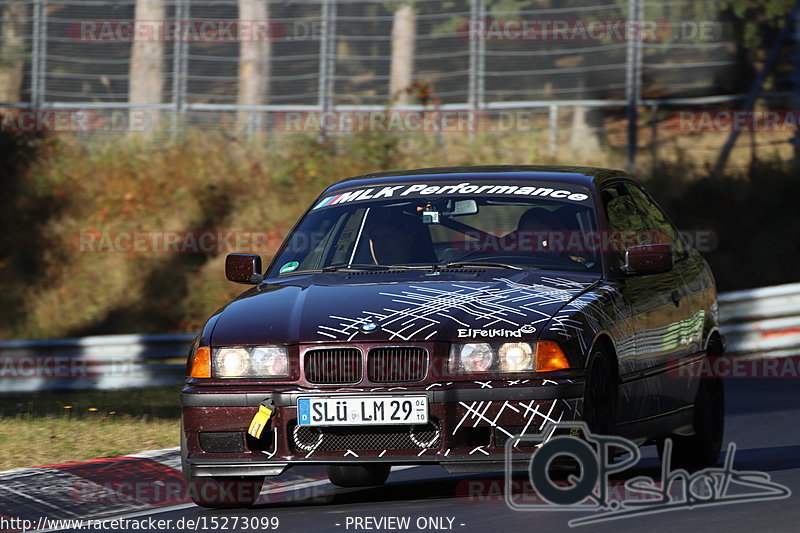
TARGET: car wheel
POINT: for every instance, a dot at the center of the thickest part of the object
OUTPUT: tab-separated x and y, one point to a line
702	449
358	475
600	396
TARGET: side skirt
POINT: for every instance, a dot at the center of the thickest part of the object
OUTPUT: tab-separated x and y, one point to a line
647	430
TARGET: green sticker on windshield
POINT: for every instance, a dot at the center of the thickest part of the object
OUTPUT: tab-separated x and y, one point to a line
288	267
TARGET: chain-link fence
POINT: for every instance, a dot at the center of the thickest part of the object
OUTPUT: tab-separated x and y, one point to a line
268	65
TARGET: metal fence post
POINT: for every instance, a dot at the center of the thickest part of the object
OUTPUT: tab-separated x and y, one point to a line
43	63
35	44
477	60
481	60
553	129
327	58
633	76
179	67
472	81
39	54
183	64
327	55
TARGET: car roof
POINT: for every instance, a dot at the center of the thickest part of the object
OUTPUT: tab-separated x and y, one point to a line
590	177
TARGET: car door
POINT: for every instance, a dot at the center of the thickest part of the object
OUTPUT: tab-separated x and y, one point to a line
688	265
658	309
693	304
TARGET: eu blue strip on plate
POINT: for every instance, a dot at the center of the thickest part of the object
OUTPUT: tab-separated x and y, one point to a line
303	412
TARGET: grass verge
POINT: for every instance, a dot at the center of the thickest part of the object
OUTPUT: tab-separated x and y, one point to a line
50	440
54	427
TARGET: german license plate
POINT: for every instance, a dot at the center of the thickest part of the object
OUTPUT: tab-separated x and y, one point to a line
362	410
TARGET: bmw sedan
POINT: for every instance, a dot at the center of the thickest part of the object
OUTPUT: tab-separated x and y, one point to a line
427	316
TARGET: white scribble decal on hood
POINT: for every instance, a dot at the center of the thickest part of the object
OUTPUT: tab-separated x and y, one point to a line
426	309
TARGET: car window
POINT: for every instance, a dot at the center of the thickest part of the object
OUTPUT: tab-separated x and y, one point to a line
627	224
657	220
634	219
531	226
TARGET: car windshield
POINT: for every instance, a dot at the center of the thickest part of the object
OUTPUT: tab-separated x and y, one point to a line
527	226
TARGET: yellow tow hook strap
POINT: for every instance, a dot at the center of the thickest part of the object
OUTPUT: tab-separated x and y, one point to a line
265	411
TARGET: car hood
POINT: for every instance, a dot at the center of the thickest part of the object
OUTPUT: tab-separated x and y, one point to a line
490	304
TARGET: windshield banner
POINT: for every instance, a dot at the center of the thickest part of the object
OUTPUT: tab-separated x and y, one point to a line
417	190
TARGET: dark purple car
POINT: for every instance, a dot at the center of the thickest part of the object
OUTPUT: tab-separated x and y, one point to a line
427	316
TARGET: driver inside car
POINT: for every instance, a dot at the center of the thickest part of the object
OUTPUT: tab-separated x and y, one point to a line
398	238
535	230
541	230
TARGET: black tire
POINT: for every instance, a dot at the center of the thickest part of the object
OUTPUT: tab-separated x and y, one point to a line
702	449
600	395
358	475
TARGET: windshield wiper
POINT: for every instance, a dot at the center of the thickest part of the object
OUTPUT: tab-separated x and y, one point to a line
365	267
360	267
327	269
468	264
353	267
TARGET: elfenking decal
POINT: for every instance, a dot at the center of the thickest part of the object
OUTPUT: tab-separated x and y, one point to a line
503	333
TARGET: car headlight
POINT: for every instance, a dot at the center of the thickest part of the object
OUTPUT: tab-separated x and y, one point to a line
515	357
471	357
251	361
541	356
269	361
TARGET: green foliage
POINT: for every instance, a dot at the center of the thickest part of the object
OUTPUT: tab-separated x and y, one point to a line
760	19
753	217
507	8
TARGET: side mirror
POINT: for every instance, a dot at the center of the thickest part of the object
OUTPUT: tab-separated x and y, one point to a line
243	268
648	259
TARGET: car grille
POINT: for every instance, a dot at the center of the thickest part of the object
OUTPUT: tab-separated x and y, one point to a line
397	364
390	364
333	366
340	439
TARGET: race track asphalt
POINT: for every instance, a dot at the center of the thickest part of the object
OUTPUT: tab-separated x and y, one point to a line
763	420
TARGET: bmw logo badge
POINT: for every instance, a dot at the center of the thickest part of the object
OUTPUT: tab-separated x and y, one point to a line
369	327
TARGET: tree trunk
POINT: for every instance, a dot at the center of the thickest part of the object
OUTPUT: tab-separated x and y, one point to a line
12	50
586	131
254	57
402	67
146	83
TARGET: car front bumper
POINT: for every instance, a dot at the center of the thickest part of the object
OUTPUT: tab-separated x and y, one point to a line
470	423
